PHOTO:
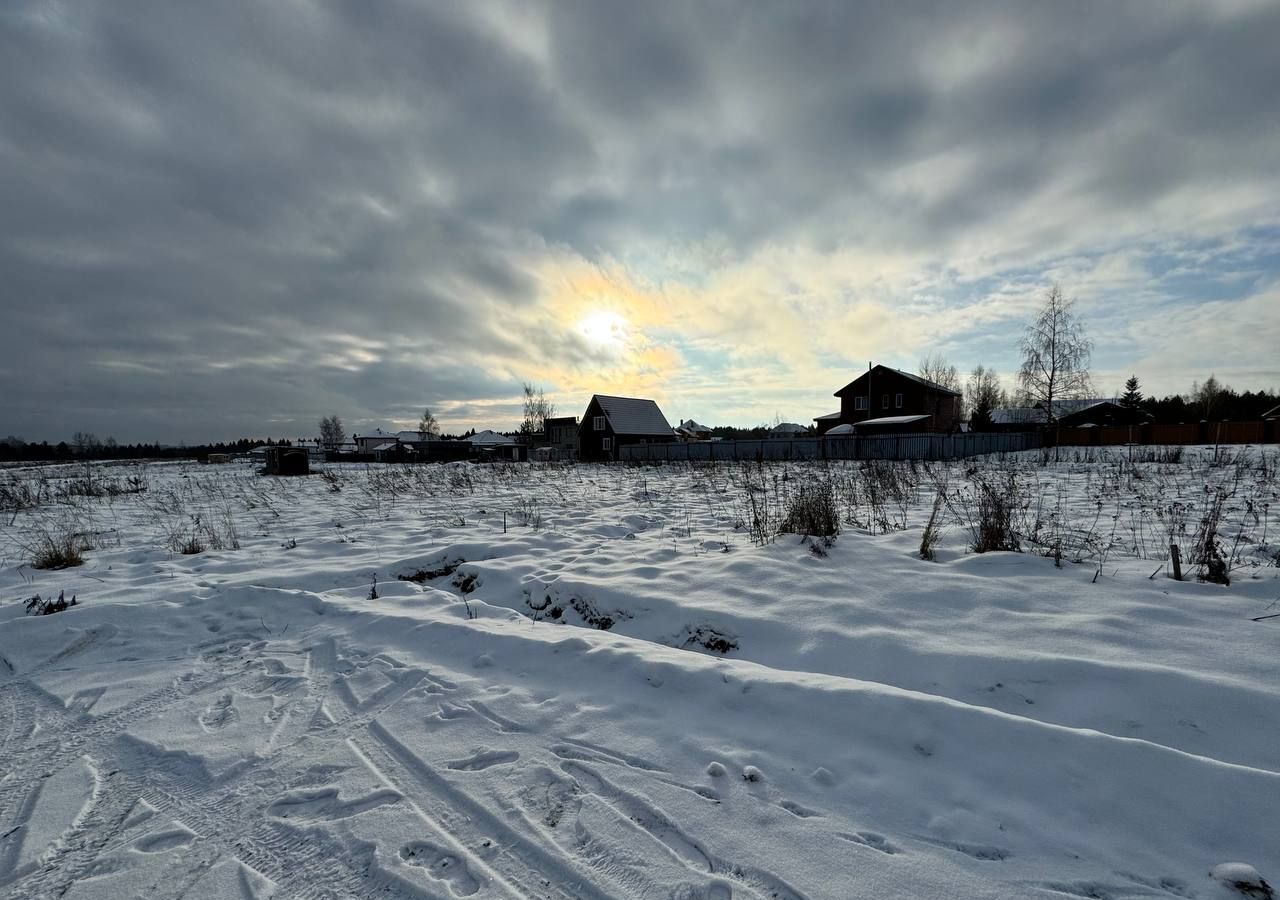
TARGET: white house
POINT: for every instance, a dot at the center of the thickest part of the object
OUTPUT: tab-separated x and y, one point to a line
372	440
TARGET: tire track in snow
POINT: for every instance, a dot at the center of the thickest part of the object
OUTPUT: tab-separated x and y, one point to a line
517	863
666	832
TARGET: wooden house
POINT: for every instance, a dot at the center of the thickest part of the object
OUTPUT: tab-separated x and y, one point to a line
885	393
613	422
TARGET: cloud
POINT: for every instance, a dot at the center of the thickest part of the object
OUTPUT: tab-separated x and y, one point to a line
231	217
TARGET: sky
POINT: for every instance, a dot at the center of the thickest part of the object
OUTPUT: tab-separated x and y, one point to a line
234	218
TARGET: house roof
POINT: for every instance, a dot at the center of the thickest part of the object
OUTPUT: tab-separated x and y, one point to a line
692	428
828	417
1271	413
932	385
1037	415
1018	415
839	430
489	437
561	421
789	428
1077	404
415	436
376	433
389	445
633	415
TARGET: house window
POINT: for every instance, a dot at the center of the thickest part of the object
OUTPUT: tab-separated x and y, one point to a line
885	401
598	424
606	443
897	401
859	402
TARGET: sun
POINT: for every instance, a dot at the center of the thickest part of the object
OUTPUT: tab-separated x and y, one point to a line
604	329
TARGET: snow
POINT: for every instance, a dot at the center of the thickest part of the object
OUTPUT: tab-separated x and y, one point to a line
636	699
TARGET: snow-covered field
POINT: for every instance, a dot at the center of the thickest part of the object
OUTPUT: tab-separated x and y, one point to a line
613	682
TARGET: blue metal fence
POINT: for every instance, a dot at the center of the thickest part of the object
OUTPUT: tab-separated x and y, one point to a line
886	446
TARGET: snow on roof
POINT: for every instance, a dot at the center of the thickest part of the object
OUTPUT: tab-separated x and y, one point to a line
389	445
1076	404
893	420
414	436
789	428
633	415
376	433
1018	415
827	417
1036	415
489	437
840	430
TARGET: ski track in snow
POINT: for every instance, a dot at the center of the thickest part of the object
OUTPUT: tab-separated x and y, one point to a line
219	732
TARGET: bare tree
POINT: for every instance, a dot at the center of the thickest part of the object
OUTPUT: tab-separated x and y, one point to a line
85	442
537	409
1055	355
428	428
934	367
332	434
1207	396
982	395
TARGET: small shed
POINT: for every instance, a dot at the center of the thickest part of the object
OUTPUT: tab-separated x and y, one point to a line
287	461
219	459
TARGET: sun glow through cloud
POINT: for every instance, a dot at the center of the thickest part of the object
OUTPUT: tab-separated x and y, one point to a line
604	329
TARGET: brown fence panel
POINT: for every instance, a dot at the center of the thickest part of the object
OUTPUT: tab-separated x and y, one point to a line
1237	432
1175	434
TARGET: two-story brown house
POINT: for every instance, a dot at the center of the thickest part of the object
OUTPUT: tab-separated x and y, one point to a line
882	393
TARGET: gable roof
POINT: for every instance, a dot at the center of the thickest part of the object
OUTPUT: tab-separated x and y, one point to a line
489	437
932	385
633	415
692	427
789	428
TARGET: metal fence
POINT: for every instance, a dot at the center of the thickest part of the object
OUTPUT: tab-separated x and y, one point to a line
888	446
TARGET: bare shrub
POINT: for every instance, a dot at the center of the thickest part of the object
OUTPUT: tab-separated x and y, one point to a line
1207	551
812	511
998	500
57	548
932	530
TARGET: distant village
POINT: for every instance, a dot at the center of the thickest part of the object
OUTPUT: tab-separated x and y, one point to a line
881	403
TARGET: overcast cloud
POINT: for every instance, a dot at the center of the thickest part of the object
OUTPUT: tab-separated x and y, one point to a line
223	219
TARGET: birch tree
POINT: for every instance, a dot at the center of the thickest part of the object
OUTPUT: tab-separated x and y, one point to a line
1056	354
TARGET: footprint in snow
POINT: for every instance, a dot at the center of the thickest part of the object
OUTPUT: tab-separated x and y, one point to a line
441	864
797	810
164	840
870	839
323	804
483	759
221	713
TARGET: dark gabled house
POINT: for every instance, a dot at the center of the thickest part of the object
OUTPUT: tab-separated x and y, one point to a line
613	422
561	436
1071	413
883	393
